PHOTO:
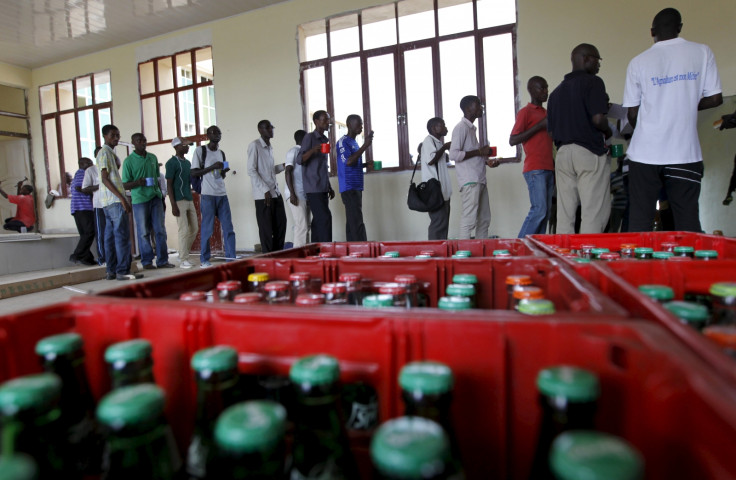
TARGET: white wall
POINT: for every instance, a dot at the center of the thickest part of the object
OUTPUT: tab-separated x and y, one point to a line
257	76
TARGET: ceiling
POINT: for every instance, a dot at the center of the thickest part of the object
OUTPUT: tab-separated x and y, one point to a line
34	33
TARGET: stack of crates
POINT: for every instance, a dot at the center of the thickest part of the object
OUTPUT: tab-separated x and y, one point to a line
663	388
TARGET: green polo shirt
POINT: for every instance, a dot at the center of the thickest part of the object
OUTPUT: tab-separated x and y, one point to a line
177	169
135	167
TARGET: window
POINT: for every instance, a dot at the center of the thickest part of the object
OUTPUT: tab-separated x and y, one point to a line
399	64
177	95
73	113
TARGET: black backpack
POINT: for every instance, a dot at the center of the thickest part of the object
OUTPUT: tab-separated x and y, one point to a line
196	181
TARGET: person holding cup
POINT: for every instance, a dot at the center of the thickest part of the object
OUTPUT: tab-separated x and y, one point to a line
140	176
313	157
350	177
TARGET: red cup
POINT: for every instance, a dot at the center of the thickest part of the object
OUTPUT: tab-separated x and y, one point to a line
493	152
325	148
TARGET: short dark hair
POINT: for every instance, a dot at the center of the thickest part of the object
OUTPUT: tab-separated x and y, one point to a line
667	18
318	114
27	187
467	101
533	80
107	128
353	117
97	150
135	135
299	136
211	127
432	122
263	124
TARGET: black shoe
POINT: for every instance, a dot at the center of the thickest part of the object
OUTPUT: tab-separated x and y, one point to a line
88	262
110	276
165	265
72	259
150	266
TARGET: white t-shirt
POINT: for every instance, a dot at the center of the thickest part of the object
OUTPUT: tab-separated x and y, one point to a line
429	148
91	178
212	182
296	174
667	82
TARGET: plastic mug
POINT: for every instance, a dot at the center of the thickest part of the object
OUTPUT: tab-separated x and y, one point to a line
150	181
377	164
325	148
493	152
617	150
225	165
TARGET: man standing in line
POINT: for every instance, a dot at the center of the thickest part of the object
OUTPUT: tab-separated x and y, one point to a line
117	208
24	217
729	121
577	122
209	163
350	177
530	130
84	216
470	166
270	213
294	192
140	175
315	177
91	186
665	88
179	190
433	158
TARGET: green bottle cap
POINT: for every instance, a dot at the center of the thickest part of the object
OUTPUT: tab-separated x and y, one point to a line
454	303
657	292
37	392
723	289
18	466
587	455
248	427
662	255
215	359
423	255
133	405
429	378
537	306
130	351
599	250
410	448
573	383
688	311
378	301
684	249
465	278
62	344
391	254
463	254
643	250
460	290
315	370
581	260
706	254
501	251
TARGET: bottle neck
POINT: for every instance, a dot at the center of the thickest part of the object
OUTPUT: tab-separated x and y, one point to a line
215	393
76	397
131	373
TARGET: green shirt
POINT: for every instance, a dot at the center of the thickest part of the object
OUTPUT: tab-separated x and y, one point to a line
135	167
177	169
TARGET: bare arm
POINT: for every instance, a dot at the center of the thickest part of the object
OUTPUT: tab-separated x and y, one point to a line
710	102
600	121
105	178
170	193
527	134
633	114
289	174
2	192
353	159
439	154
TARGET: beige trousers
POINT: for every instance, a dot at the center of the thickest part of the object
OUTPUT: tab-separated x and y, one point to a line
476	213
300	217
188	227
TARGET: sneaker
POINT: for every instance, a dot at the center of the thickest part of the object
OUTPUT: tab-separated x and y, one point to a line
73	259
111	276
150	266
165	265
185	264
87	262
129	276
205	265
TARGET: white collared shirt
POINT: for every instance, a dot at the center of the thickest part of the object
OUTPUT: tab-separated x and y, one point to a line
260	169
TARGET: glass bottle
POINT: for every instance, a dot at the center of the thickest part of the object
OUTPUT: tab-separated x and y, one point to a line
130	363
567	397
310	299
513	281
392	254
684	251
586	251
248	298
462	290
228	289
250	442
352	282
536	306
411	448
256	282
689	313
18	466
216	376
299	284
662	255
595	253
63	355
335	293
278	292
360	404
724	336
193	296
669	246
500	252
378	301
529	292
594	456
467	279
723	302
321	448
643	253
706	255
659	293
627	250
30	417
412	289
454	304
139	443
609	256
397	291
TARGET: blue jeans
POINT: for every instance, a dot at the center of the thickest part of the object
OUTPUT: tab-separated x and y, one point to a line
541	184
117	239
150	216
211	206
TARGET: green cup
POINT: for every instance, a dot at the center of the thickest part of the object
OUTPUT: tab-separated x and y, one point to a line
617	150
377	165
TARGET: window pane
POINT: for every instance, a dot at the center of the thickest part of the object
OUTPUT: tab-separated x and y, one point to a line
498	58
167	116
314	89
66	97
347	93
419	94
165	78
12	99
382	90
344	35
102	87
379	26
145	74
455	16
312	41
150	119
457	67
87	138
47	97
84	91
105	118
52	153
496	12
184	69
416	20
205	69
186	113
207	115
69	144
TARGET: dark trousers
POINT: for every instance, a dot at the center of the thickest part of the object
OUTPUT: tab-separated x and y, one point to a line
439	222
682	184
85	220
319	205
13	224
100	234
271	224
354	226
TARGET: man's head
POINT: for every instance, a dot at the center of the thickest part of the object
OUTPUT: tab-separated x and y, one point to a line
26	190
84	163
436	127
181	146
471	107
139	142
667	24
321	120
214	134
265	129
538	90
586	57
355	125
299	136
111	134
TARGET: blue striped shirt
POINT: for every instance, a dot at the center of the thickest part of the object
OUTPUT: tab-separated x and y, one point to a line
349	177
80	201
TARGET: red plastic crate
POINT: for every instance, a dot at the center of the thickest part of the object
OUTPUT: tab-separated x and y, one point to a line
655	393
